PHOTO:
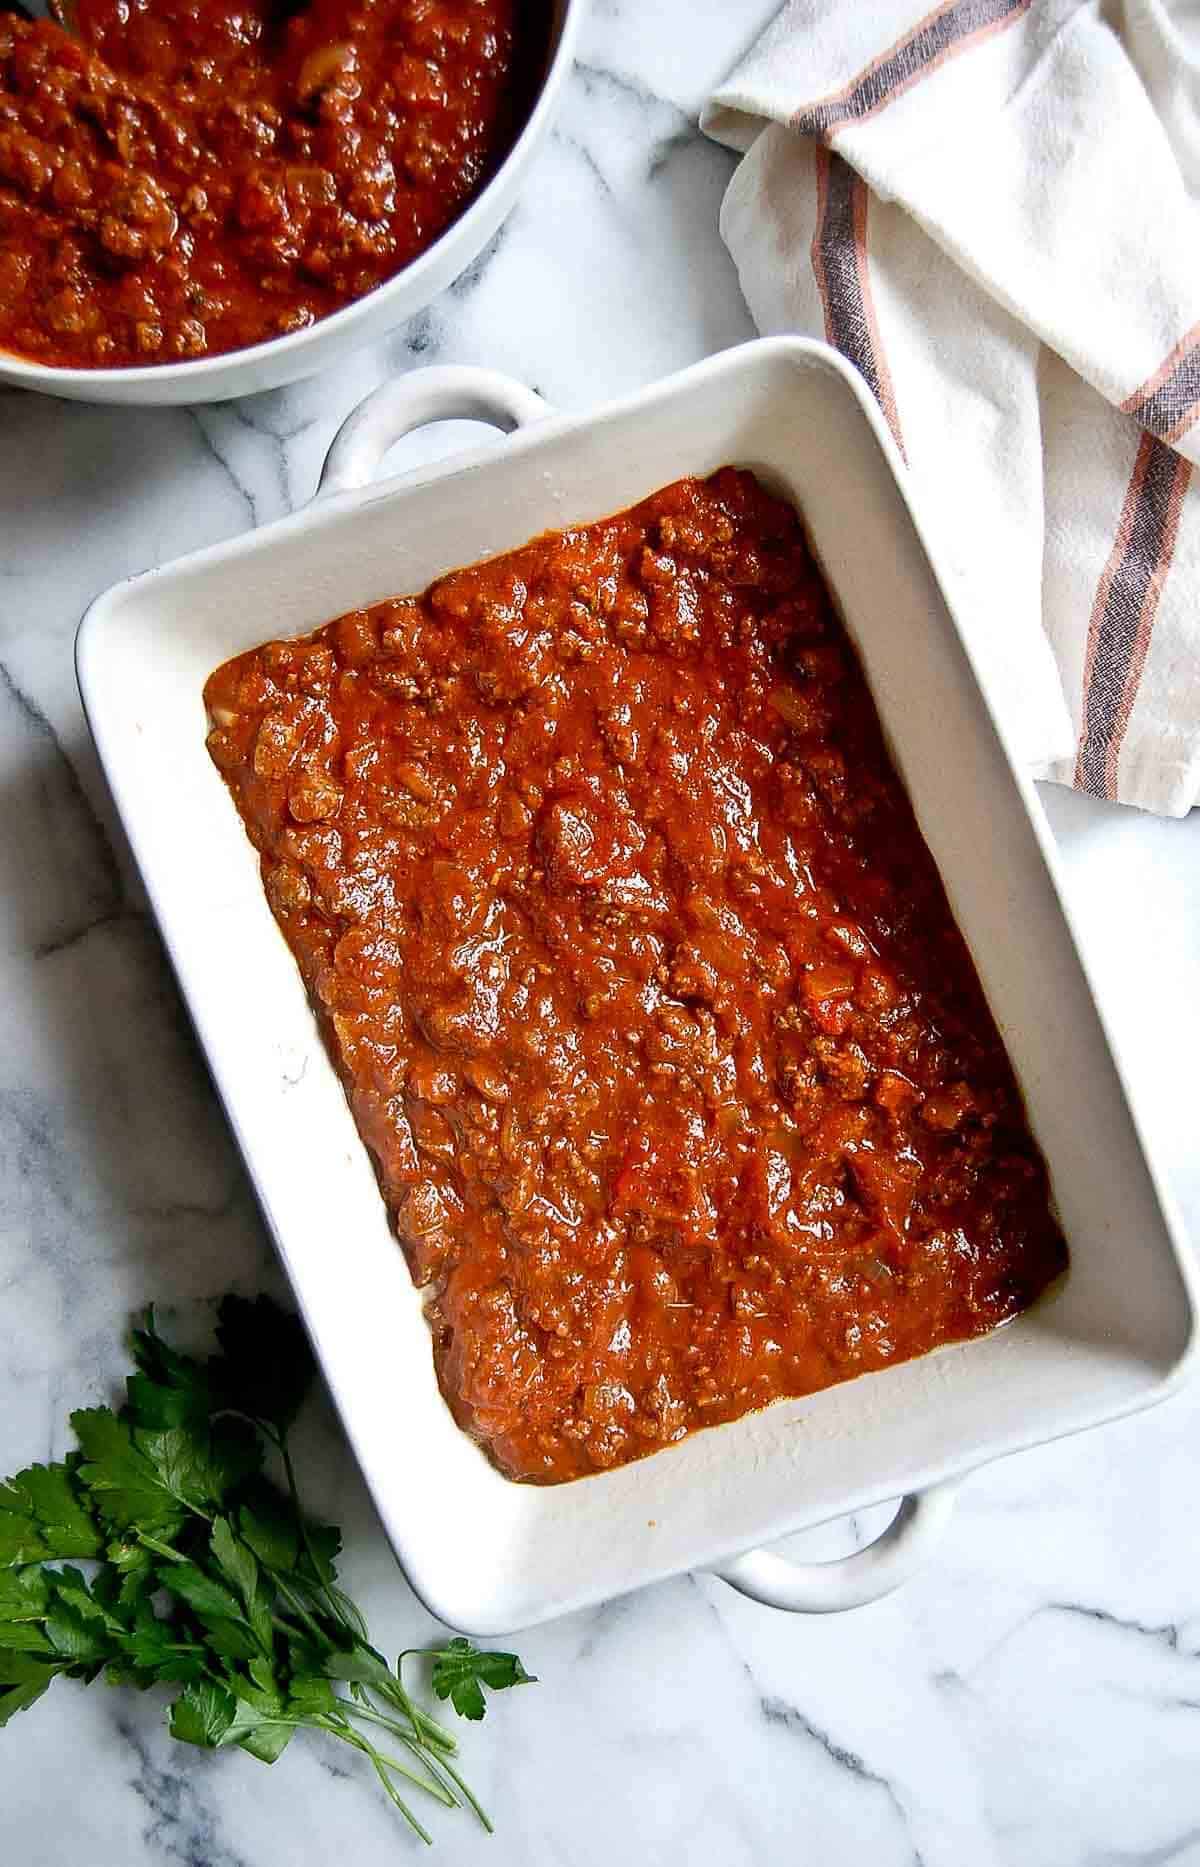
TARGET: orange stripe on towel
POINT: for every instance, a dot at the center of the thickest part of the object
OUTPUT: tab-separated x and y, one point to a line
1122	619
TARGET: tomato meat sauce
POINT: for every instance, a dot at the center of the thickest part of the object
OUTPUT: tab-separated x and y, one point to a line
180	178
679	1082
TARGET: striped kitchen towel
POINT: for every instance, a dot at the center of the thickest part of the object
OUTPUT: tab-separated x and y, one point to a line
993	211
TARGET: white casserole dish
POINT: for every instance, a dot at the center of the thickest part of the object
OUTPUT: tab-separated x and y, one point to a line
485	1554
287	359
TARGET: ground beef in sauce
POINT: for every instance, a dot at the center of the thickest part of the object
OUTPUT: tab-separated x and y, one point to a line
183	177
678	1079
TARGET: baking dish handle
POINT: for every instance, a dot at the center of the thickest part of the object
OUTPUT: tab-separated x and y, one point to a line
445	393
828	1587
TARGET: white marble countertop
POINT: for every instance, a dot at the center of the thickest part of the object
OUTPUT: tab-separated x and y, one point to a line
1033	1697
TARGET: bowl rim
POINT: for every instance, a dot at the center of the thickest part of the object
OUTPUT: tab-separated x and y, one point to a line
19	372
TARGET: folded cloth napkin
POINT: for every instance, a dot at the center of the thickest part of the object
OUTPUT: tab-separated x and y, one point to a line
992	210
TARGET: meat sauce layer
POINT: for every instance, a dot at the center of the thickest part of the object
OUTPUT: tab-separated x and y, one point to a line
680	1085
183	177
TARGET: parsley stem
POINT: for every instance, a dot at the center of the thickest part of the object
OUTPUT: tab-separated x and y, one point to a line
430	1764
400	1803
416	1740
376	1717
422	1720
411	1737
426	1727
445	1764
429	1784
439	1767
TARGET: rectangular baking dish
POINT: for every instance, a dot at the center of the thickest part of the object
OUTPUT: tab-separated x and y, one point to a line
485	1554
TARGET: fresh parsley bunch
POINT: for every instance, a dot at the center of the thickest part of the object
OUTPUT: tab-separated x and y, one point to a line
203	1576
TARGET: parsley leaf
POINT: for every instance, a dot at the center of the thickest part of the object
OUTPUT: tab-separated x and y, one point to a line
266	1366
19	1668
42	1515
72	1592
153	1647
272	1529
124	1487
76	1637
200	1467
261	1725
236	1558
460	1672
24	1637
169	1389
203	1593
202	1714
19	1697
309	1695
24	1596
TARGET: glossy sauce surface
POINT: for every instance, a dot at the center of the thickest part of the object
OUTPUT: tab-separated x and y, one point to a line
180	178
677	1076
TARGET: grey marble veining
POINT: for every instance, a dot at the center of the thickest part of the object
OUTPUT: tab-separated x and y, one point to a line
1032	1699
